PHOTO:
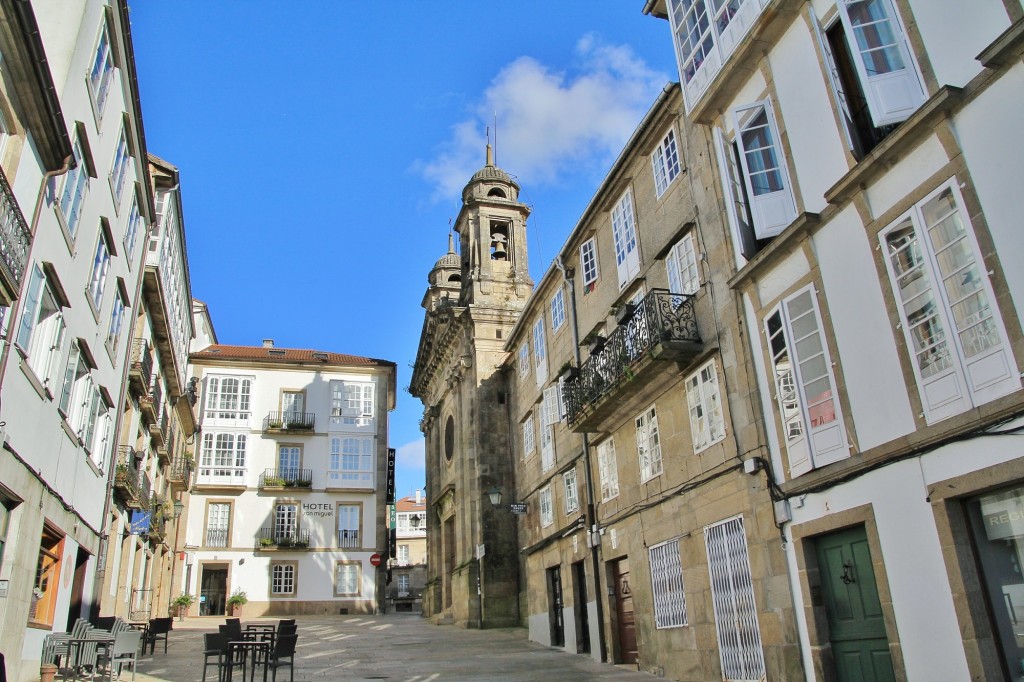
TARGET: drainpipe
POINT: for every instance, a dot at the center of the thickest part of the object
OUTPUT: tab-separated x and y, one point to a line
591	514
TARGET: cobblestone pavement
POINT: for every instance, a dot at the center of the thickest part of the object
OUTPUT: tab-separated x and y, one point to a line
398	647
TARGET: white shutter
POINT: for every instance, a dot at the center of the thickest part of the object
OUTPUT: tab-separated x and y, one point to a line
794	431
735	206
764	169
815	382
627	252
882	57
835	84
551	405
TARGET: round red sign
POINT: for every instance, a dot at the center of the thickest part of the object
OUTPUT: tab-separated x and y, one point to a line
375	559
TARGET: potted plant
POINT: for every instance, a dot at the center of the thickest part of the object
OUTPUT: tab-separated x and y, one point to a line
266	542
183	602
236	601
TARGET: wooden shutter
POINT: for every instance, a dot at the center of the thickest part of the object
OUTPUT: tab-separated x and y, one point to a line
882	58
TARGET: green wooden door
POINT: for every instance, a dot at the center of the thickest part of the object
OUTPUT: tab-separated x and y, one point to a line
859	643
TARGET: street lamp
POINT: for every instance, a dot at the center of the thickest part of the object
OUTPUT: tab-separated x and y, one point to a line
494	494
179	506
414	521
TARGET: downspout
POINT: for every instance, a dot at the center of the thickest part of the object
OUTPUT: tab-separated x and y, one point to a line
593	532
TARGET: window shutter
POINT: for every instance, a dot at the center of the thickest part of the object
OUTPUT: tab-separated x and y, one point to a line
815	382
627	253
764	170
551	405
882	57
835	84
794	432
736	205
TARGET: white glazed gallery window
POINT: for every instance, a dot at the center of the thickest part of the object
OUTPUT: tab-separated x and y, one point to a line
228	398
765	175
218	519
540	352
72	195
665	162
223	458
529	438
282	580
102	72
347	578
557	310
681	264
648	444
348	526
119	168
358	400
588	264
41	329
572	496
608	470
706	33
547	509
707	423
812	419
100	269
881	54
627	252
951	322
351	460
732	594
131	230
524	360
288	461
667	585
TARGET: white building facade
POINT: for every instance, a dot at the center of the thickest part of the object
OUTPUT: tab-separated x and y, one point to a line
67	334
868	161
288	500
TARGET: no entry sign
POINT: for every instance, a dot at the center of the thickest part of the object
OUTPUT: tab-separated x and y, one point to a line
375	559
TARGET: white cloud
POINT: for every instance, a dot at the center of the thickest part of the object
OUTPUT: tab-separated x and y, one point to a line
550	122
411	456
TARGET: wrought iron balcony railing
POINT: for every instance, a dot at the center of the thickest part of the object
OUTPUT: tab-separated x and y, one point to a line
286	478
180	472
216	537
15	241
126	475
348	538
145	490
660	320
276	538
290	421
140	372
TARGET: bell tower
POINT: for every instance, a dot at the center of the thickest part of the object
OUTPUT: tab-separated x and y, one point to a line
492	237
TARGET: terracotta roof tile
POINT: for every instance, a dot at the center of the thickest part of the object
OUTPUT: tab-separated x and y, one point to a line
273	354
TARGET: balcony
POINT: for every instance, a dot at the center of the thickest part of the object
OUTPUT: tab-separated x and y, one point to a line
286	479
126	476
157	522
158	434
151	405
348	539
277	539
145	491
216	537
289	422
179	475
140	371
15	242
637	362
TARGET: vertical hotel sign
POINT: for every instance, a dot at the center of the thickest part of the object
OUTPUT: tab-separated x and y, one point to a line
392	541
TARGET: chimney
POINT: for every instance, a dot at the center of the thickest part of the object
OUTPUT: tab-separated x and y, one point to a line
268	343
417	496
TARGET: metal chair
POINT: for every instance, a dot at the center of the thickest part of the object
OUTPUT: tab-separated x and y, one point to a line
124	651
158	629
215	646
284	649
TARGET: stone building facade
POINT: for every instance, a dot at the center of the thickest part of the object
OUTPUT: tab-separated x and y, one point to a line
474	299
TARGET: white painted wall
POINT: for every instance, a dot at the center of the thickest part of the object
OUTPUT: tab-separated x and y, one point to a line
865	338
954	33
907	174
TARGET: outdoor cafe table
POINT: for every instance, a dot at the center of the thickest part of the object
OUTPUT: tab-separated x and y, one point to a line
248	645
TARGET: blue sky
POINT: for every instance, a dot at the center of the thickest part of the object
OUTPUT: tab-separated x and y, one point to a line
323	147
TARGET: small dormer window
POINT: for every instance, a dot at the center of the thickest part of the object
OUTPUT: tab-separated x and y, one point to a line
499	240
497	192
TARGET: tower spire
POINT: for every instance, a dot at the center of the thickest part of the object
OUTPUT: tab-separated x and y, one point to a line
490	150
